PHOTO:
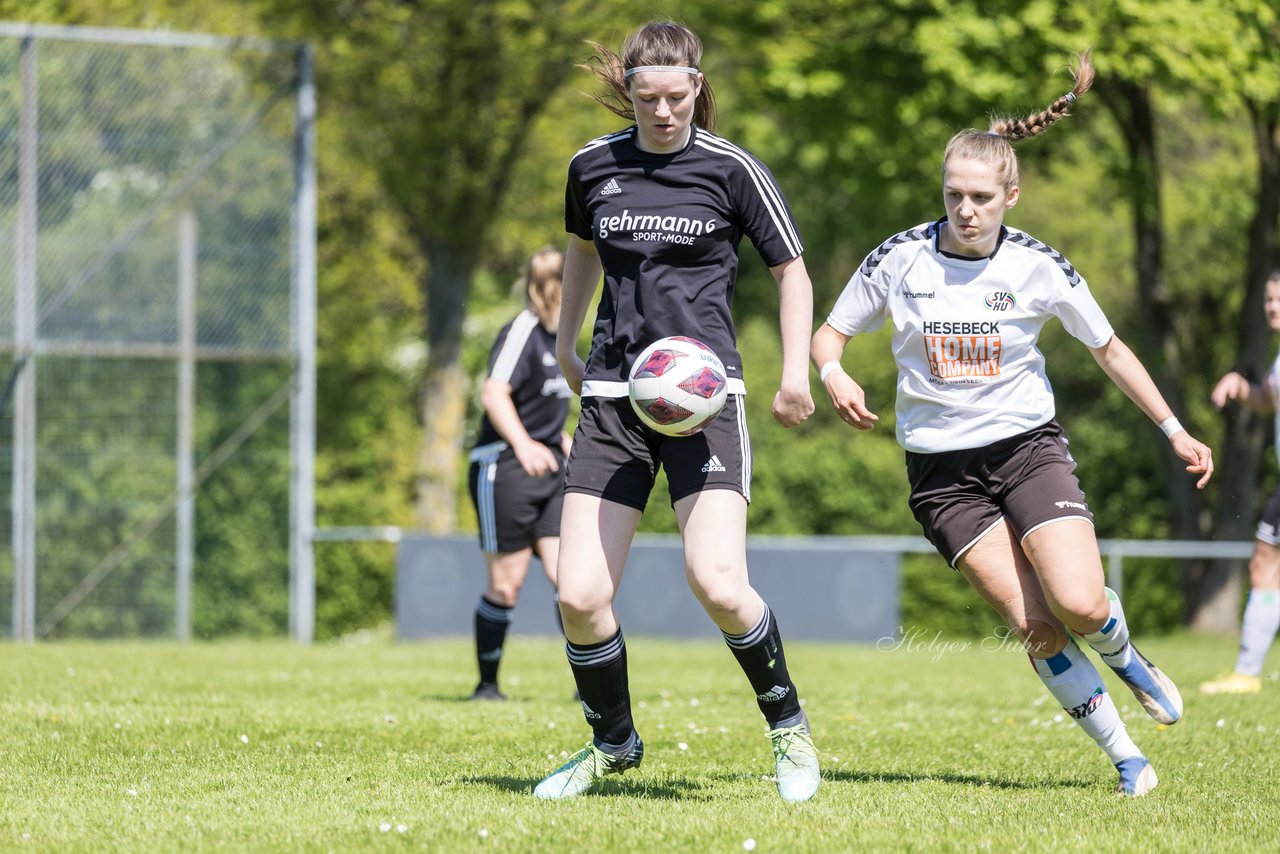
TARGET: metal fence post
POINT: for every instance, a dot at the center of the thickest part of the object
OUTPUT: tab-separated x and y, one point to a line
24	356
302	439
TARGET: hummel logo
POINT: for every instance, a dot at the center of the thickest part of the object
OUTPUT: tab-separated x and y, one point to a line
611	188
774	694
590	713
712	464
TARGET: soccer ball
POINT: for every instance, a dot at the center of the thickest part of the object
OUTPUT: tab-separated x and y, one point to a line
678	385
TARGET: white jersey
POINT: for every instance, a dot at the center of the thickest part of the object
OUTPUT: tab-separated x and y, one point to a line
965	332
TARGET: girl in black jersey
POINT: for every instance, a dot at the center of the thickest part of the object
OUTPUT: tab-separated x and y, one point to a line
992	482
660	209
517	465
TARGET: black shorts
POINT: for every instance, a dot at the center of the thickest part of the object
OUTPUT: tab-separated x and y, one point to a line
515	509
1028	479
1269	524
616	457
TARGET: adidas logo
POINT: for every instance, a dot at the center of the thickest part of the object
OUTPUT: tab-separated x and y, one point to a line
774	694
590	713
611	188
712	464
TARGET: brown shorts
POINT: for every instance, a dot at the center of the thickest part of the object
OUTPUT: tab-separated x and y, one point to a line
616	457
1028	480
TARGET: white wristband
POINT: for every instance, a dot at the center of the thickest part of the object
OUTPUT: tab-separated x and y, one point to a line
826	370
1169	426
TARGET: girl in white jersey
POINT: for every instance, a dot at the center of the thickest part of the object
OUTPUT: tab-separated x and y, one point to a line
992	482
1262	611
660	209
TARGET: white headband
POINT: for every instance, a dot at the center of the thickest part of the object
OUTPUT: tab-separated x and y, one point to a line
683	69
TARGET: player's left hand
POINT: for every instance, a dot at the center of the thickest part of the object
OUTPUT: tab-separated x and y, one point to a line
791	406
1196	453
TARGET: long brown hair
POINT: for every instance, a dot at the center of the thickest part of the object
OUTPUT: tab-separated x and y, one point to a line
656	43
995	146
543	277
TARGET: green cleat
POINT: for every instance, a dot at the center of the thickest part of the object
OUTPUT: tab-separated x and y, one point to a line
584	769
797	759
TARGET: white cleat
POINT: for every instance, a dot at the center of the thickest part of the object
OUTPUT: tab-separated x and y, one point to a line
797	762
584	769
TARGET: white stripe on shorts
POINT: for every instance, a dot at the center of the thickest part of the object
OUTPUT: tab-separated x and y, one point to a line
485	510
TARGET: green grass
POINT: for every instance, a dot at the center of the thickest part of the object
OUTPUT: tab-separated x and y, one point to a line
272	746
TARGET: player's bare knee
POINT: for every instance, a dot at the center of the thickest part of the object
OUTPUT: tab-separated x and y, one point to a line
1083	611
719	598
581	606
505	594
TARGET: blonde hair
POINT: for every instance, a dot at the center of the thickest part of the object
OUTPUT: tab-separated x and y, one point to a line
656	43
542	279
995	146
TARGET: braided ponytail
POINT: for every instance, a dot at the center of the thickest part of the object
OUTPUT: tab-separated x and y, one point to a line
1018	129
995	146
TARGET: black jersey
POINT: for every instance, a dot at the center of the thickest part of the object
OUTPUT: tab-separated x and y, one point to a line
524	356
667	227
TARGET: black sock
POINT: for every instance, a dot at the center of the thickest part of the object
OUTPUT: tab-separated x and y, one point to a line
491	630
760	654
600	669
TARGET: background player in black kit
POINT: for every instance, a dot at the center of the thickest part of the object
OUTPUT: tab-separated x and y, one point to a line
517	465
660	208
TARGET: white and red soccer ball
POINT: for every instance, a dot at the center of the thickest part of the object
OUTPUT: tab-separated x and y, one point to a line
678	385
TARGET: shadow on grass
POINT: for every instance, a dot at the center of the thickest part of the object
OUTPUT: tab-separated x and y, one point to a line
956	779
668	789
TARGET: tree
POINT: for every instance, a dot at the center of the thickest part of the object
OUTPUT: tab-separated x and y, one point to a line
439	97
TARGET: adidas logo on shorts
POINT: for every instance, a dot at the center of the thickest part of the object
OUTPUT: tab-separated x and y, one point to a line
712	464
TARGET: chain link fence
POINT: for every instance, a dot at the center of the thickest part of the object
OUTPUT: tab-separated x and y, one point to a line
156	334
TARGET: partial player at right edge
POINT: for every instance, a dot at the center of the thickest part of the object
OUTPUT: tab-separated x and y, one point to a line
1262	612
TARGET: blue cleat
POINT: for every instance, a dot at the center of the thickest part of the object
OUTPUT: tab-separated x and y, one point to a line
1155	691
1137	777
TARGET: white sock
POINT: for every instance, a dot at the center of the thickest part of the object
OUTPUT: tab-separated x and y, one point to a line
1258	630
1074	682
1112	640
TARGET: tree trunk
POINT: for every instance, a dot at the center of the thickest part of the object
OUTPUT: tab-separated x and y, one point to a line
1131	104
442	396
1245	434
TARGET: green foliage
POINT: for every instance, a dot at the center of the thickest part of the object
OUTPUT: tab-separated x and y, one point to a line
848	101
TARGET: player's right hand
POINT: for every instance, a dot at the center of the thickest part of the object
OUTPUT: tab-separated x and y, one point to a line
536	459
849	401
1232	386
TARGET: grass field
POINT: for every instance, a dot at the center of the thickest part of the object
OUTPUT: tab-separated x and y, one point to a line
270	746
